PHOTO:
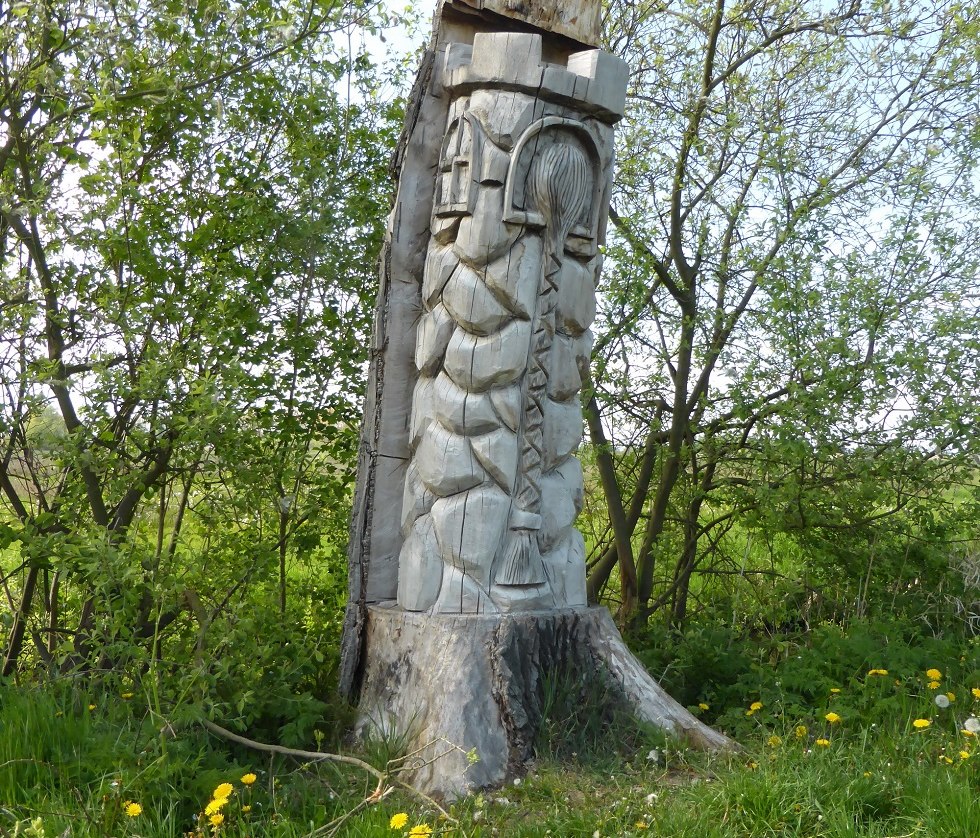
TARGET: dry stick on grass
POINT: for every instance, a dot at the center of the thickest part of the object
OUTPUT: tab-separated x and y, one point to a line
385	778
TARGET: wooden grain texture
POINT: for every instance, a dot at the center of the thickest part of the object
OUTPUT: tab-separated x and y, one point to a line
575	19
447	684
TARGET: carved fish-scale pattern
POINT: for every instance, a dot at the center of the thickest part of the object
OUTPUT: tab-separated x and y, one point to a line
494	487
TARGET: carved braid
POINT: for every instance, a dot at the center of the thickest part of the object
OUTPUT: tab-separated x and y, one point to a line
558	186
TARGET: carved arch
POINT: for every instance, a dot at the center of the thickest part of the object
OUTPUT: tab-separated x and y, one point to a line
587	230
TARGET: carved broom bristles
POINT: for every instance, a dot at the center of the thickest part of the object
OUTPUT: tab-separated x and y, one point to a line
558	188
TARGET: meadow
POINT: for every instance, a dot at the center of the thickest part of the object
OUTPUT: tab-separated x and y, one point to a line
837	739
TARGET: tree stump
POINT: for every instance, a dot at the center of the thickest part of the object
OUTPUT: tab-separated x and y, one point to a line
443	687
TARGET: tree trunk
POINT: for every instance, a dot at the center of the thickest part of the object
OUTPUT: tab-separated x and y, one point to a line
467	575
19	626
446	688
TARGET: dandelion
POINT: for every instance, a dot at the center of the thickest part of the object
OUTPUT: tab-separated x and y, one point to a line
942	702
833	718
976	693
132	809
398	820
933	674
423	830
126	696
934	685
964	754
224	790
216	806
755	705
951	696
247	808
91	707
972	724
774	741
703	706
801	731
966	732
642	825
921	724
248	779
946	759
834	690
822	743
873	672
217	819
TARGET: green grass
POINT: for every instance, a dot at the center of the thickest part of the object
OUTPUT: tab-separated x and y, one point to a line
70	760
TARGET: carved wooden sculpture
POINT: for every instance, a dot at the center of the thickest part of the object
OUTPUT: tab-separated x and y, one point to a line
508	295
467	574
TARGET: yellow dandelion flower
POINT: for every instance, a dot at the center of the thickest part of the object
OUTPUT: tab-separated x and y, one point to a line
224	790
703	706
247	808
934	685
216	806
91	707
217	820
126	696
422	830
750	712
774	741
822	743
833	718
964	754
933	674
966	732
801	731
642	825
132	809
834	690
398	820
946	759
976	692
248	779
921	724
873	672
755	705
951	696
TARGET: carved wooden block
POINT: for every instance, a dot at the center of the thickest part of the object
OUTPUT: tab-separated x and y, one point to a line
508	296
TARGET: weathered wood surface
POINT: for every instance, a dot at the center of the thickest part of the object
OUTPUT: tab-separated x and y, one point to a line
374	534
376	538
445	685
575	19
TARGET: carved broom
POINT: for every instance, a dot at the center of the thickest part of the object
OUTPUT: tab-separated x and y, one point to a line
558	188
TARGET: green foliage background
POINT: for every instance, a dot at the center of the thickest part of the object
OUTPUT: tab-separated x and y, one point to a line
782	470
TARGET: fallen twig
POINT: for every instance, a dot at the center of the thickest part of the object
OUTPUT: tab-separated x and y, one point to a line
387	778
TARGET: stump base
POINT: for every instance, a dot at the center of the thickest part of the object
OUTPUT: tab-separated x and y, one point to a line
442	686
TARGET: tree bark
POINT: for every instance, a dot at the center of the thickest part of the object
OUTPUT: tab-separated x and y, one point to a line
448	688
